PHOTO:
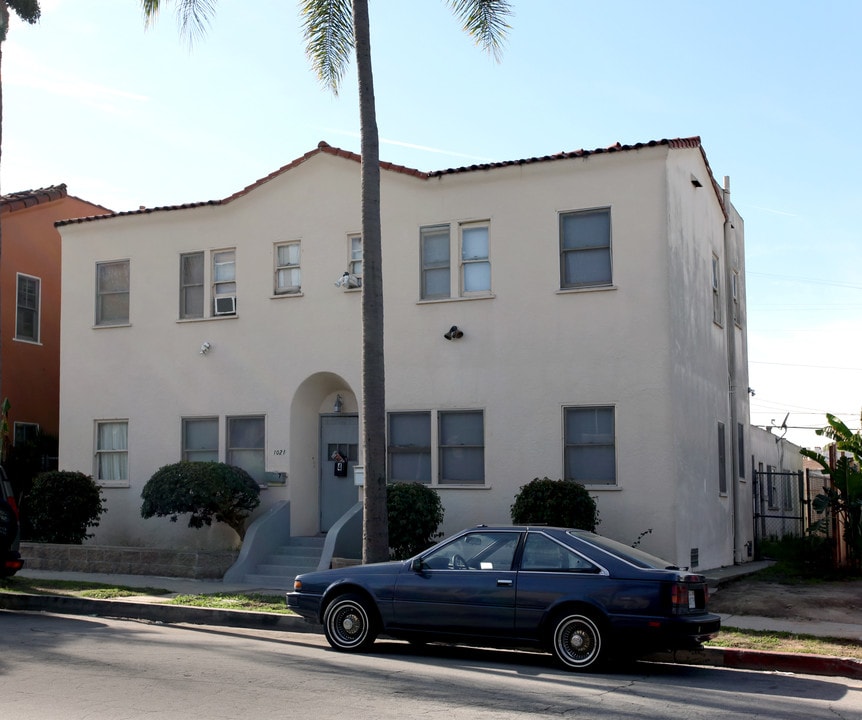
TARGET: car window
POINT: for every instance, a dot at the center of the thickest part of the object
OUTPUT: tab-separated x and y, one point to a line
636	557
542	553
475	551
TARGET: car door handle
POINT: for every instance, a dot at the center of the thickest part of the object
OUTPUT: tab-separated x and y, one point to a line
504	583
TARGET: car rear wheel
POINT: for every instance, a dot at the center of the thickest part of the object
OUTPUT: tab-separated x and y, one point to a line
350	623
578	642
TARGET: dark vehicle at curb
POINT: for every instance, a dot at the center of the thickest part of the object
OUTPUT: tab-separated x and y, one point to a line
10	531
583	597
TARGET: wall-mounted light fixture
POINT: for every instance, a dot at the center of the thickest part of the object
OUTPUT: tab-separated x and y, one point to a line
205	347
455	333
339	403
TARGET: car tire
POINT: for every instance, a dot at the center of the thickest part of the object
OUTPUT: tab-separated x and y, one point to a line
578	641
8	526
350	623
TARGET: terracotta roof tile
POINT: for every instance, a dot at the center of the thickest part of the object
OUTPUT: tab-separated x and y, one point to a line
24	199
324	147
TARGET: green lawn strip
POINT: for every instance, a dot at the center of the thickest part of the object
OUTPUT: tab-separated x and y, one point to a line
235	601
774	641
75	588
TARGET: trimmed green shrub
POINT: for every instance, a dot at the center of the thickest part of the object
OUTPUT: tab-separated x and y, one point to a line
415	513
558	503
59	508
206	491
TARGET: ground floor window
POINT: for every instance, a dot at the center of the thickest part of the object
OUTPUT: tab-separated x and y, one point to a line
200	439
112	452
246	445
590	445
437	447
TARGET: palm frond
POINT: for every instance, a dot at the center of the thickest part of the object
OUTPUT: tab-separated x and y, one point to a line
27	10
328	30
193	16
485	21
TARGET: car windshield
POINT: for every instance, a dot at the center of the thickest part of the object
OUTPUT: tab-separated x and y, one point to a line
625	552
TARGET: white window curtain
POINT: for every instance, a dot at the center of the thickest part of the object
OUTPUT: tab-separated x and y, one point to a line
112	451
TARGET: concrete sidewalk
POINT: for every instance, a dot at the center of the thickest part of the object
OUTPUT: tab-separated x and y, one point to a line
153	608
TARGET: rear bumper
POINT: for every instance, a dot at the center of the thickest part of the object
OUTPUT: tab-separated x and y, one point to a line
667	633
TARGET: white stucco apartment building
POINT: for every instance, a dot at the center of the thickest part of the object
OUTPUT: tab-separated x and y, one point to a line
599	298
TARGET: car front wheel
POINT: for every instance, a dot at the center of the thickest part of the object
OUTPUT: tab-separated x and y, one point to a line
578	642
350	623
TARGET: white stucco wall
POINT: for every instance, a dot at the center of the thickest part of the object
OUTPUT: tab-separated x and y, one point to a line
646	346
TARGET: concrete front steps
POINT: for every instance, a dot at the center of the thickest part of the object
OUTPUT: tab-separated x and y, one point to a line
278	569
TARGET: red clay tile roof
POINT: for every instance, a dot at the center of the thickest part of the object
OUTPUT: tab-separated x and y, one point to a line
324	147
28	198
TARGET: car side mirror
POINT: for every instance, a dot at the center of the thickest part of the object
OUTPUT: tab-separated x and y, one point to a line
418	565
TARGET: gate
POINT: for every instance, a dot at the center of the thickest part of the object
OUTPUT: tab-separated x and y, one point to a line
780	500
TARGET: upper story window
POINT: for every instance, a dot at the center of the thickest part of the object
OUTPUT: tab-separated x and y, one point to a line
112	293
716	290
585	248
25	432
27	315
734	281
224	282
475	264
436	281
471	275
354	266
192	285
590	445
288	276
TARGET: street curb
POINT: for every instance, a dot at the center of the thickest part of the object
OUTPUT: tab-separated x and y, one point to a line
154	612
734	658
174	614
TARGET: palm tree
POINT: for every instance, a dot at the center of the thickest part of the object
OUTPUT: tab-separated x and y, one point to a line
27	10
335	29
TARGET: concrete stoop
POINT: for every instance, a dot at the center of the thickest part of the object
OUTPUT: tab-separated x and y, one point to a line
279	568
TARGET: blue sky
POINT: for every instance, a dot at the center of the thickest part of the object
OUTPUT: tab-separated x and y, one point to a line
128	117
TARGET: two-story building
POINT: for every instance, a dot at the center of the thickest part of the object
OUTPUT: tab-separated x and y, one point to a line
30	302
577	316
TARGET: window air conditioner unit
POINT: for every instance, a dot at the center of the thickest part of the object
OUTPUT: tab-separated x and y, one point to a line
225	305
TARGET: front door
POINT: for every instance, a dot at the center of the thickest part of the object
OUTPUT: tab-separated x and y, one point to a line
339	447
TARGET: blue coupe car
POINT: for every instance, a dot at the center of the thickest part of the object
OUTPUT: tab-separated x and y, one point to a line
581	596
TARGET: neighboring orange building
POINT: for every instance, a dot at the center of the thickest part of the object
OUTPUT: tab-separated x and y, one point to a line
30	305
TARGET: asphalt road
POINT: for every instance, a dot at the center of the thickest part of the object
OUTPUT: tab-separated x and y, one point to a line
55	667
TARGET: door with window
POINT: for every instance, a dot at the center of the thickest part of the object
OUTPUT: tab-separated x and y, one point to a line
339	448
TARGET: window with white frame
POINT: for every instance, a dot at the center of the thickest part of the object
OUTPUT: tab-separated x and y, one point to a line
585	248
27	313
354	266
475	263
590	445
288	276
25	432
436	281
716	290
246	445
787	495
722	459
409	447
224	282
737	319
192	285
112	452
439	448
112	293
462	447
200	439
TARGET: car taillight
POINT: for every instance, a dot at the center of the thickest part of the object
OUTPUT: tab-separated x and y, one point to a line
15	565
683	597
13	505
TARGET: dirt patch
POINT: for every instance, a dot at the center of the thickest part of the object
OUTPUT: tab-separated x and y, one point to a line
826	601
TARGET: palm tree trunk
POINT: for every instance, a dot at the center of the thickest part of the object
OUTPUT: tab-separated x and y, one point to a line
375	529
